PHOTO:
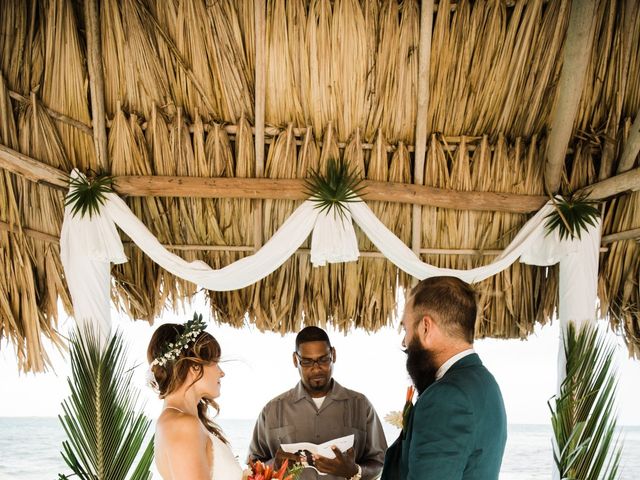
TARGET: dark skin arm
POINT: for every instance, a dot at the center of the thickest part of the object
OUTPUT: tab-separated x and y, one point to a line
343	465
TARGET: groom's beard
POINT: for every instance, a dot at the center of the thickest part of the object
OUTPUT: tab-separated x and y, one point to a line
420	365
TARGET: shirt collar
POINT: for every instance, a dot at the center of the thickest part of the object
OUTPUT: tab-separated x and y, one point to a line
449	363
336	392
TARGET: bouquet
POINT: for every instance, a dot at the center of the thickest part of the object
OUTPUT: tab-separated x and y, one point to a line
260	471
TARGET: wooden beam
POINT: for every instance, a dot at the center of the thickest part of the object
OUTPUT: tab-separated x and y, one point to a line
633	234
424	60
96	83
27	167
631	146
260	14
267	188
54	114
288	189
577	51
45	237
625	182
293	189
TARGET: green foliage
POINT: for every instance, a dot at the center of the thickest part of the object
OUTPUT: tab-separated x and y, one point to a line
572	216
336	188
295	471
584	416
105	432
88	194
171	350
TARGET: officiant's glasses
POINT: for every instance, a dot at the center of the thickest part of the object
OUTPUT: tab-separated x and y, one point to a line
309	362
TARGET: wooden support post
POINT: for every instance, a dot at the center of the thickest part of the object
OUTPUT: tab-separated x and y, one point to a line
424	60
577	51
86	129
259	113
96	83
625	182
633	234
631	147
31	169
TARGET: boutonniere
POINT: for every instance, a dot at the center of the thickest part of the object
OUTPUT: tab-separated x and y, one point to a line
400	419
408	405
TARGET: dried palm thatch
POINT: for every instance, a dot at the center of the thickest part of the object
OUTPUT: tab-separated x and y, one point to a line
341	82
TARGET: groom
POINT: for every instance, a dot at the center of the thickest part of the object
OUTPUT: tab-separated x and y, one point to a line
457	428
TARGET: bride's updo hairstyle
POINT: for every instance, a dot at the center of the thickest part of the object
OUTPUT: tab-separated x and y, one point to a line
172	372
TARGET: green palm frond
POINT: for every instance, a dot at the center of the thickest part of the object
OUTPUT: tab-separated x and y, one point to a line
572	216
584	416
105	431
333	190
88	193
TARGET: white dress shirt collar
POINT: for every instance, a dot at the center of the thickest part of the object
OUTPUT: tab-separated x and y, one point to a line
447	365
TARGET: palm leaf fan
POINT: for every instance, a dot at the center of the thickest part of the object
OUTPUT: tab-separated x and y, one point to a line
583	414
333	190
572	216
105	430
87	193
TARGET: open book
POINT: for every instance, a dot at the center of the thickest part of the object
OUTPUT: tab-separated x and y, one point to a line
305	450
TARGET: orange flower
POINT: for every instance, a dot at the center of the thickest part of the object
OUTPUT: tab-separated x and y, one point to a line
260	471
410	391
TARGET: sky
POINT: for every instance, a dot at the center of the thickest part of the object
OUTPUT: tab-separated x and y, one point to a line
258	366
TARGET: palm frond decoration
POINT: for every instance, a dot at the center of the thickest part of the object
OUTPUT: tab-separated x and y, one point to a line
333	190
105	430
584	416
88	193
572	216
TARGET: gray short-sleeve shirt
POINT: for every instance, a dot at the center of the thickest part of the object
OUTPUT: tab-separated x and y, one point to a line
293	417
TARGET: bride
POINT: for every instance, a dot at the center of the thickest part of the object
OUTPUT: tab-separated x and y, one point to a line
185	372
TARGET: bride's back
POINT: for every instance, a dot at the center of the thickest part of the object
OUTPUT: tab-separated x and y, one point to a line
183	448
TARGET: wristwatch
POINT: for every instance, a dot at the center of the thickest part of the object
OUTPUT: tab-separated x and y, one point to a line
358	474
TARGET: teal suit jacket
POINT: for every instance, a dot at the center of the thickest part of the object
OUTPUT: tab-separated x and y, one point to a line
456	430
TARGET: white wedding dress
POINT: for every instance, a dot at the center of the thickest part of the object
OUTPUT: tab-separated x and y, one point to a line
225	465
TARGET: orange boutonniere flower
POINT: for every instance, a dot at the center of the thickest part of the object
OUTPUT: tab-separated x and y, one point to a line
408	405
400	419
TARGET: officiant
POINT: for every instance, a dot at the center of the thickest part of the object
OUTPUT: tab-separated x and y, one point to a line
318	409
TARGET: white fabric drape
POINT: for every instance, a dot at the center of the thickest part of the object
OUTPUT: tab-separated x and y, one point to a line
242	273
89	245
531	245
333	240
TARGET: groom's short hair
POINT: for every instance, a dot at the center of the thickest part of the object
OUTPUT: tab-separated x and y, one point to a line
450	301
312	334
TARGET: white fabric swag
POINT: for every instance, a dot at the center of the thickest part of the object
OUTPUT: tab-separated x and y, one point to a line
89	245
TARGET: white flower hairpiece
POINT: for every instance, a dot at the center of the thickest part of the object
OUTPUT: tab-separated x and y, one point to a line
172	350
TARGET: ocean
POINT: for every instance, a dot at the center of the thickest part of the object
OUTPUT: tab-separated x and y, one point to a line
30	449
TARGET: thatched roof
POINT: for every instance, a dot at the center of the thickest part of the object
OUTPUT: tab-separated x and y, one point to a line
186	89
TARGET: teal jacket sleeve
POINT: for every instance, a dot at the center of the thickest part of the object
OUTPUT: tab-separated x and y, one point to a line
442	434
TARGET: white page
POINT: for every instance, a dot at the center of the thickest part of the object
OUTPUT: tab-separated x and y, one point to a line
324	449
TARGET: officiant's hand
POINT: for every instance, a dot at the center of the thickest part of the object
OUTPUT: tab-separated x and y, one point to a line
343	465
281	456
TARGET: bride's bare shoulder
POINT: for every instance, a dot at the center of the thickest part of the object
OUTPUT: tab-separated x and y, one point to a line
173	425
182	447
